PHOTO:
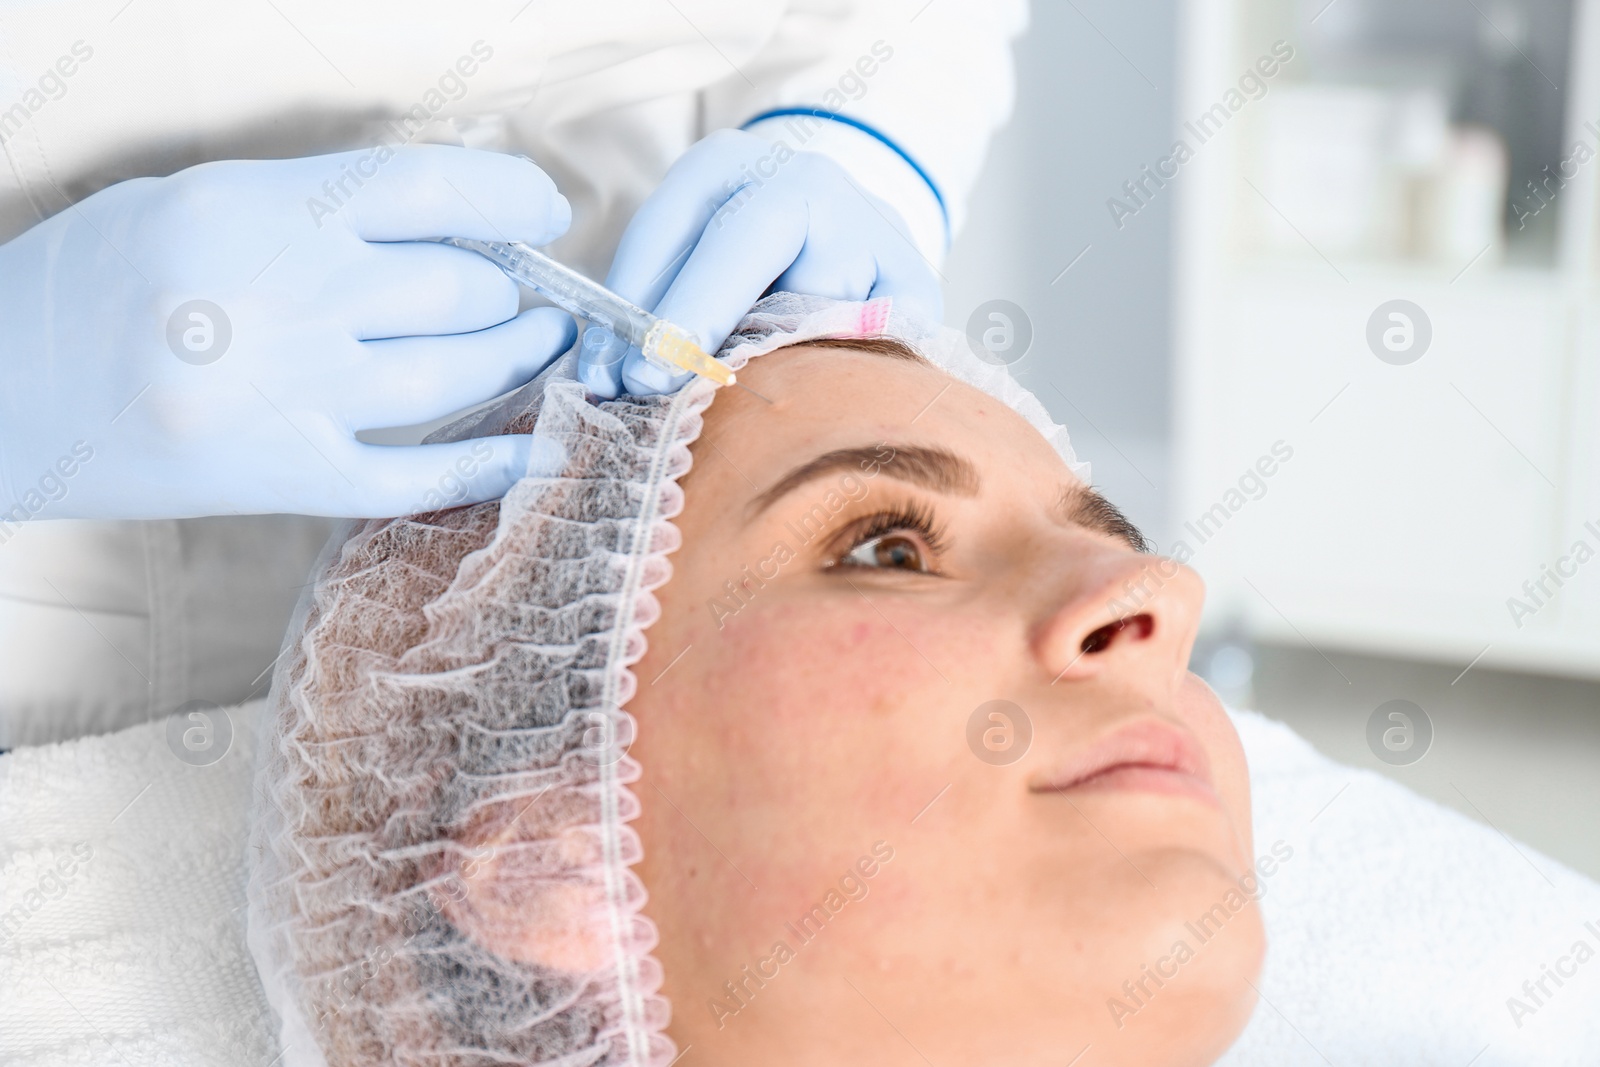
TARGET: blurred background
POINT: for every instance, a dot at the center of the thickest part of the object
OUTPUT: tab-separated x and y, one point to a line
1316	288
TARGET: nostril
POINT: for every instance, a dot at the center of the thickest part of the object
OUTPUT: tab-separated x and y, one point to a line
1099	640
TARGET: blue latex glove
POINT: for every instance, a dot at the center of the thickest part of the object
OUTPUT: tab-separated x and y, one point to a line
120	399
808	229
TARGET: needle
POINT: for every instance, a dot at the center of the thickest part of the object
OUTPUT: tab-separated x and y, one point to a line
751	391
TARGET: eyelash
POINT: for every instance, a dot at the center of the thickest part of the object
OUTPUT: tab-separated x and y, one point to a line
915	517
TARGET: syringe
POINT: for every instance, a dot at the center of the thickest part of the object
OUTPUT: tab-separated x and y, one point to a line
663	344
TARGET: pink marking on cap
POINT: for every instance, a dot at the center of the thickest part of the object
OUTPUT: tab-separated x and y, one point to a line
874	316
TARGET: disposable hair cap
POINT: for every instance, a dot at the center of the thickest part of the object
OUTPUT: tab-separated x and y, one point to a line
446	740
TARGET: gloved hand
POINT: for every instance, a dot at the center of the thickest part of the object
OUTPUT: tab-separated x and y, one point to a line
710	241
210	342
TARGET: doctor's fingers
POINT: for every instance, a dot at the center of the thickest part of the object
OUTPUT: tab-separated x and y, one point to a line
860	272
669	223
745	247
858	250
847	246
430	190
906	275
412	288
600	360
404	480
406	380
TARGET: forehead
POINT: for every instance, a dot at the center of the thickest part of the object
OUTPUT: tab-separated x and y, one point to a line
826	398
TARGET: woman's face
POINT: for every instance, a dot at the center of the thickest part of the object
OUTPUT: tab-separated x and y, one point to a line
910	795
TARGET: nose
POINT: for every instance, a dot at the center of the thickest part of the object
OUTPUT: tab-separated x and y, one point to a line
1117	610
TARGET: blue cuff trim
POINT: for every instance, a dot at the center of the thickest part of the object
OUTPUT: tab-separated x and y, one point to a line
879	135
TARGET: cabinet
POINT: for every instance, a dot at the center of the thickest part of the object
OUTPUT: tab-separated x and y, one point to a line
1443	505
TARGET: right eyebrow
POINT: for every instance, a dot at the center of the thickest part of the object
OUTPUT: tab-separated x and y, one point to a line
1083	505
933	468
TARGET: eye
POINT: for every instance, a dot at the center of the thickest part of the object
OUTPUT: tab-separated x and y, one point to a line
902	539
890	551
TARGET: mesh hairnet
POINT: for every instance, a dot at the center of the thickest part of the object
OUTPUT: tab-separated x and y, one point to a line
450	700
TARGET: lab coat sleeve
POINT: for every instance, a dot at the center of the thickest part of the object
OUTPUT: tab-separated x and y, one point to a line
931	82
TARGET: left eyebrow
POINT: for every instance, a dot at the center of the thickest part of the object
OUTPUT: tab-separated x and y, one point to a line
932	468
1083	505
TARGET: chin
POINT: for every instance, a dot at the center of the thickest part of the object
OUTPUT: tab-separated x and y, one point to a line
1179	985
1195	1014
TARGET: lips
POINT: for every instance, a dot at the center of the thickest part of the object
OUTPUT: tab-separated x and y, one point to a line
1149	756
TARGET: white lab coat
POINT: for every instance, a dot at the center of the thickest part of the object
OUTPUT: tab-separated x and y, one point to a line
106	623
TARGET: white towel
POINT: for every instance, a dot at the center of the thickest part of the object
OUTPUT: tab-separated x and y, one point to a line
1399	930
122	905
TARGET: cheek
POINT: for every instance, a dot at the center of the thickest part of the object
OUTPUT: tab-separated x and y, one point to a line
806	727
826	725
838	718
825	708
817	669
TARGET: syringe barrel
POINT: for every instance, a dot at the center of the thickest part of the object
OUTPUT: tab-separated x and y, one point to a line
662	344
564	287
